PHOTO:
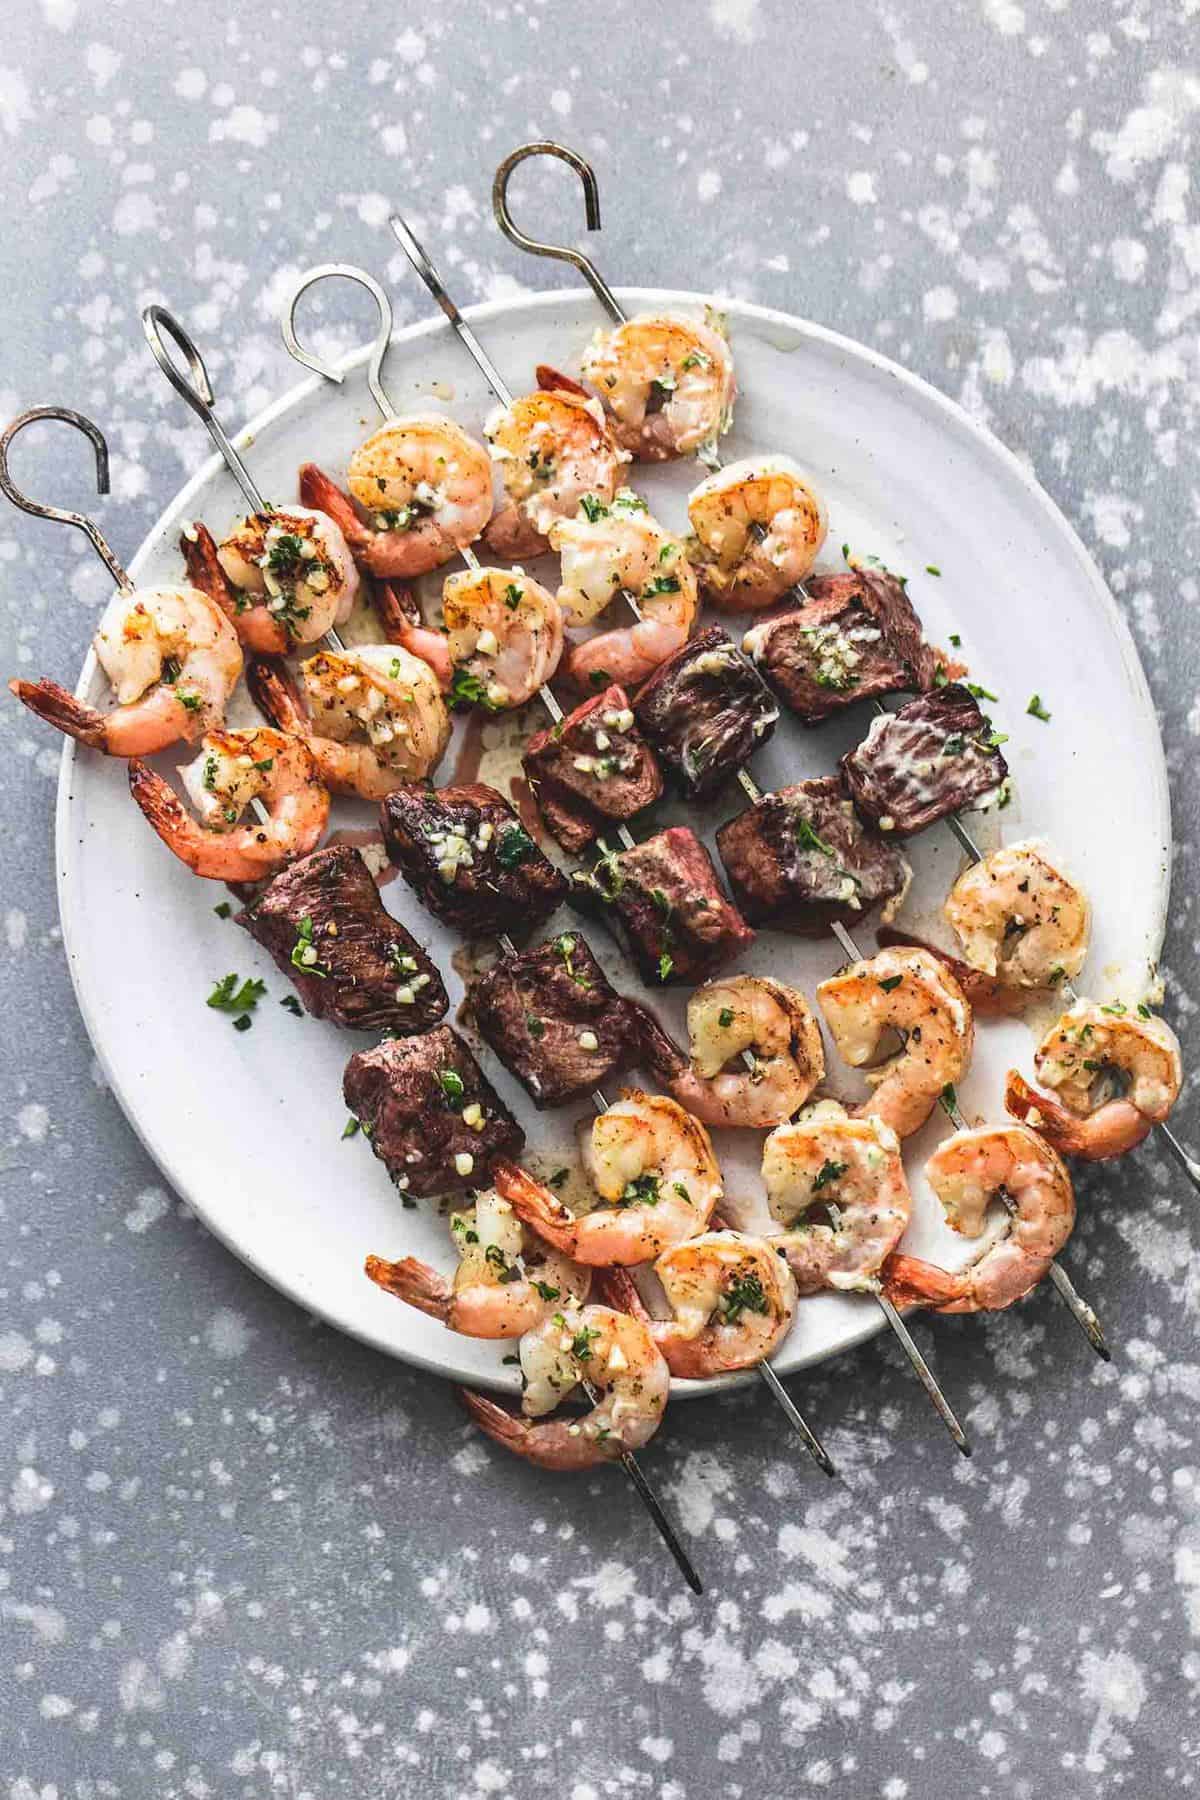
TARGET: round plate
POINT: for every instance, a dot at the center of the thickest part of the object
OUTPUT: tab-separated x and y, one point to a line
248	1127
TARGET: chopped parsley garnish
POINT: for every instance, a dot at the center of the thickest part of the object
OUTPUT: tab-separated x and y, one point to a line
980	693
290	1004
807	838
208	775
940	677
304	951
351	1128
665	965
581	1343
667	552
593	508
496	1257
1036	710
1144	1011
223	909
1117	1010
949	1095
932	569
744	1294
643	1190
394	669
725	1018
267	763
283	558
954	746
559	1178
513	846
451	1084
535	1026
695	359
512	596
829	1171
466	689
661	902
565	945
661	584
545	1291
599	678
956	640
230	997
189	702
890	983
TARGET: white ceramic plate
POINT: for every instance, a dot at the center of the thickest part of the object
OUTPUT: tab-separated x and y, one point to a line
247	1127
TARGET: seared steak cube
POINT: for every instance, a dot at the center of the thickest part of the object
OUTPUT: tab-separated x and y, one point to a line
466	855
857	636
590	769
326	927
666	901
937	755
555	1020
801	858
705	710
431	1113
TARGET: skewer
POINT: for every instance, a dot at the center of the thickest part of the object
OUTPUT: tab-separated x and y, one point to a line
421	262
617	313
60	516
198	393
564	253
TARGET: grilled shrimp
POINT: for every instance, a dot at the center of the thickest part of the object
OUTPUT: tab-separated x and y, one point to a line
732	1299
291	573
850	1169
507	1280
1019	918
505	635
913	993
967	1172
667	382
374	716
173	660
739	1013
1091	1050
233	768
553	447
653	1166
621	1364
609	550
425	490
738	571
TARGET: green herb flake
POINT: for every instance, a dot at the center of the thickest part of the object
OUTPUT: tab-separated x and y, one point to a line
744	1294
725	1018
807	838
980	693
513	846
949	1095
512	596
451	1083
955	640
593	508
290	1004
827	1173
665	965
1036	710
534	1026
223	910
545	1291
351	1128
891	983
230	997
932	569
304	953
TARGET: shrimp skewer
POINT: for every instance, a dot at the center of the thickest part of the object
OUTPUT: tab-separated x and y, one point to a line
170	655
768	1031
732	1298
1077	1061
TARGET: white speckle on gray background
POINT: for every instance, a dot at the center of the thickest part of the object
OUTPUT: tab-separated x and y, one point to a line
241	1556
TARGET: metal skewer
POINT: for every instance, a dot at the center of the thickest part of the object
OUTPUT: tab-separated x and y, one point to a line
198	393
421	262
60	516
563	253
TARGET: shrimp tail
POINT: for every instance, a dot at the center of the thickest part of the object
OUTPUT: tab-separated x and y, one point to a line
199	550
323	495
275	693
907	1281
62	710
989	998
496	1422
618	1290
1108	1132
414	1282
553	381
400	617
534	1204
548	1445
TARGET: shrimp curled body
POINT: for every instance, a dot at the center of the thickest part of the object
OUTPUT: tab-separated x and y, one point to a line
505	635
553	447
913	993
732	1298
967	1172
621	549
850	1169
172	658
653	1166
1019	918
734	1016
233	768
758	528
1079	1060
506	1283
666	381
624	1369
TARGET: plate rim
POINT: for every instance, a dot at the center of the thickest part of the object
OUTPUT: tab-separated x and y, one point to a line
954	415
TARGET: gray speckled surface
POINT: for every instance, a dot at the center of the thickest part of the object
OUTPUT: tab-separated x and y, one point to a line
239	1555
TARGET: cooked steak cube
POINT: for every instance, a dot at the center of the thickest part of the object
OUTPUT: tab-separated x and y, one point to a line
935	756
590	769
555	1020
857	636
801	858
326	927
466	855
666	901
705	710
431	1113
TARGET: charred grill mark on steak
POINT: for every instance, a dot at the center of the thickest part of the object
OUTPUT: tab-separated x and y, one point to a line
469	860
937	755
705	710
856	638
